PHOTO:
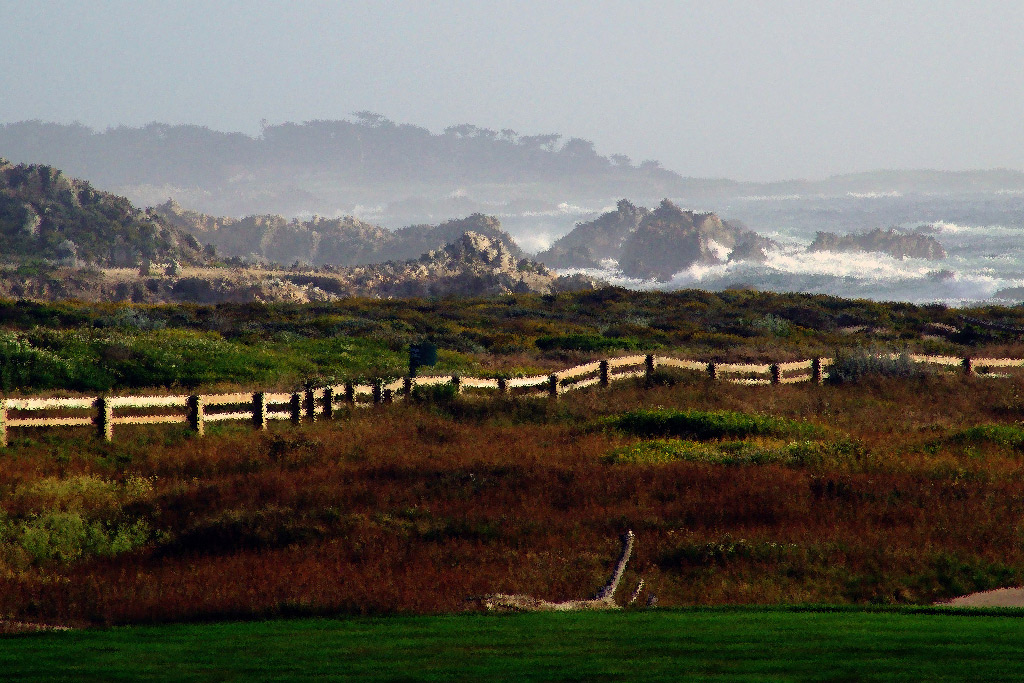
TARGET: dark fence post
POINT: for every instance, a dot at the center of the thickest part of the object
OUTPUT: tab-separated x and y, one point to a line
776	373
603	381
104	419
502	386
296	408
968	365
457	384
553	386
350	393
196	415
309	404
378	393
259	410
712	370
816	370
328	403
407	386
649	368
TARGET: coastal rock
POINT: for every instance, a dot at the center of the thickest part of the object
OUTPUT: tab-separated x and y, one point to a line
752	247
590	242
471	265
655	244
892	242
345	241
670	239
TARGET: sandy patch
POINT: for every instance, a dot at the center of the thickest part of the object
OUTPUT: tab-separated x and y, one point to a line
1001	597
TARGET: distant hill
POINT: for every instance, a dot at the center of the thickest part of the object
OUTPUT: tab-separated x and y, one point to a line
401	174
326	166
44	214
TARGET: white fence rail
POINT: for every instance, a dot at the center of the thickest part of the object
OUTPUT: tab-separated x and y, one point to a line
104	412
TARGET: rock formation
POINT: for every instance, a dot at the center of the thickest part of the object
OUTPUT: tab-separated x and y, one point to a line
892	242
602	238
670	239
655	244
46	215
320	241
472	265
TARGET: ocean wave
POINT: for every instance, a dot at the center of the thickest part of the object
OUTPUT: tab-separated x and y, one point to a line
561	209
947	228
874	195
866	275
769	197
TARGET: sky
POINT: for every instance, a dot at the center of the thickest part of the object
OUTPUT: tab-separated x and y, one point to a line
763	90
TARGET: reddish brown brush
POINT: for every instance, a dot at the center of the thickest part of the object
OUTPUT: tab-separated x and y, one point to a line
417	508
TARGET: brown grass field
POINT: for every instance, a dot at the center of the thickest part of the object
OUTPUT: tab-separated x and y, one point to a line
416	508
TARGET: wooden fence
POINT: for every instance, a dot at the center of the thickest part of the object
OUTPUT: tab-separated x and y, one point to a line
103	413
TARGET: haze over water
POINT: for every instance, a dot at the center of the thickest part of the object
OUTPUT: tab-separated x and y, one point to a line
745	90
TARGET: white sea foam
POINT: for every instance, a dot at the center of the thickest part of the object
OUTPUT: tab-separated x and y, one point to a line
768	197
863	265
562	209
874	195
534	242
947	228
720	250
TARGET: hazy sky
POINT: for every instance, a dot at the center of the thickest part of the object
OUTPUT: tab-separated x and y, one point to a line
749	90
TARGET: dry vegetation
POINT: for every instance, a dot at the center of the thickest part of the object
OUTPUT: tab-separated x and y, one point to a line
904	491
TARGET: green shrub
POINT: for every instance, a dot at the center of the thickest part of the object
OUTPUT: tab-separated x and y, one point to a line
82	493
854	366
586	342
772	326
68	536
1011	436
795	453
441	394
704	425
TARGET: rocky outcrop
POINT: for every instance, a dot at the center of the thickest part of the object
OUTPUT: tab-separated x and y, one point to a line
752	247
670	239
590	242
472	265
892	242
655	244
46	215
321	241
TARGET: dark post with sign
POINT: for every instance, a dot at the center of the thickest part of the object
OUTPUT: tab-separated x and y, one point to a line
420	354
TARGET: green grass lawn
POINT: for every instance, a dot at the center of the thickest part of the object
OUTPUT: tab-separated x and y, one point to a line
715	644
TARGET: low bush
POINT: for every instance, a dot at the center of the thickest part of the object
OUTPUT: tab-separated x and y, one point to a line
852	366
68	536
1011	436
706	425
586	342
794	453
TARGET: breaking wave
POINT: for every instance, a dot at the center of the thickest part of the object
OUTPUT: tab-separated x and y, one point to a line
954	281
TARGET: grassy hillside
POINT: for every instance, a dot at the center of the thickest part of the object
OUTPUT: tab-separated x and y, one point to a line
885	491
895	486
95	347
